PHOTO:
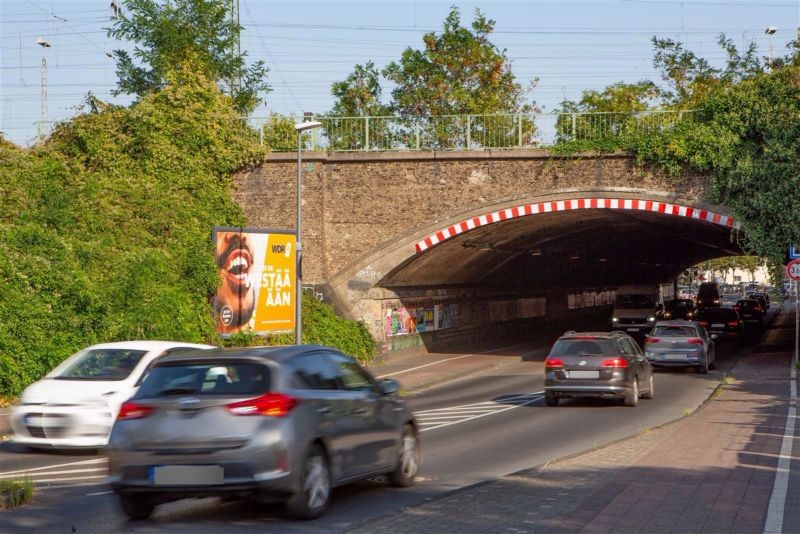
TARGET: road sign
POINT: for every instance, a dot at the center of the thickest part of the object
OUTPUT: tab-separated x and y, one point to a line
793	270
794	252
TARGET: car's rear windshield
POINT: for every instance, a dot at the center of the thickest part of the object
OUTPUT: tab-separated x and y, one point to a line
678	304
710	290
206	378
747	303
101	364
675	331
576	347
721	313
636	301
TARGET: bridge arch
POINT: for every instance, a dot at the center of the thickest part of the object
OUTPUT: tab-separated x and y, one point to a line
570	238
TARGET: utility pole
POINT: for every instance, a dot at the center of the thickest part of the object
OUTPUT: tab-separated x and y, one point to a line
236	82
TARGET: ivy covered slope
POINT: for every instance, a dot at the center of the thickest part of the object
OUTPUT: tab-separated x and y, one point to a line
105	229
747	134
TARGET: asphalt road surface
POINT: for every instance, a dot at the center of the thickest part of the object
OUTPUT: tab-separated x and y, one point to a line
474	429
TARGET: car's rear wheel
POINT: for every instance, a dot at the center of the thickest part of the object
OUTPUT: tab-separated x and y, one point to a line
551	399
136	507
408	459
632	397
315	490
650	388
704	368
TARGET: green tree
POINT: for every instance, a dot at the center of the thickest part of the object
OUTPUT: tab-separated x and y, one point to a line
745	132
459	72
169	33
607	113
357	97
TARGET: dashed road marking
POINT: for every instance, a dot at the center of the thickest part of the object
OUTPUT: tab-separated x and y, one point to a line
453	415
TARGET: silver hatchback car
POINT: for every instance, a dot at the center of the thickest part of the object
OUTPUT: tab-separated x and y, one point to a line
274	423
680	344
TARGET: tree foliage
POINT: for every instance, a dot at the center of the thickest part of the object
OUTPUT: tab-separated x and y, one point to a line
168	33
458	72
105	229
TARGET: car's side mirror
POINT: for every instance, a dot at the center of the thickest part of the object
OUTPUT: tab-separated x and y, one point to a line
389	386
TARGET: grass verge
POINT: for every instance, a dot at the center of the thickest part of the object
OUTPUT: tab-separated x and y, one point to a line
15	493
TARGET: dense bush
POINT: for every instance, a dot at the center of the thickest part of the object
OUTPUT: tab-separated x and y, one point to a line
105	229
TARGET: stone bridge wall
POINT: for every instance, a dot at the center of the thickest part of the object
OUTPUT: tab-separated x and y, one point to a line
354	202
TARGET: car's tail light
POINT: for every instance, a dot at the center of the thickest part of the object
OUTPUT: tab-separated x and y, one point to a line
271	404
733	323
695	341
132	410
757	308
618	362
651	340
736	308
704	323
553	362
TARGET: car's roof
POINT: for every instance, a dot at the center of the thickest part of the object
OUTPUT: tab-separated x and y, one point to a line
148	345
279	353
571	334
676	322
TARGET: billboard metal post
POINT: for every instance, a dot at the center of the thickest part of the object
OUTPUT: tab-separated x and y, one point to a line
298	325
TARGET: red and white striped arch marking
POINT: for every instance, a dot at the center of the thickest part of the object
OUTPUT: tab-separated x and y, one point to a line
575	204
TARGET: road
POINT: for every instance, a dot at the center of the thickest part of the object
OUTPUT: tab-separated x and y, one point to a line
473	429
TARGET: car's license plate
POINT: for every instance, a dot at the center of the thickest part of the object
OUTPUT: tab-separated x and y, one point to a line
632	329
584	374
676	357
187	475
718	325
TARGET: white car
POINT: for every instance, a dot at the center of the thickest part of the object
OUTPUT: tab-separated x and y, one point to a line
75	405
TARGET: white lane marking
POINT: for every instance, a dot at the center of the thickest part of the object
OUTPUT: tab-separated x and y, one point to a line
451	359
502	406
777	501
482	405
96	493
54	466
69	478
51	473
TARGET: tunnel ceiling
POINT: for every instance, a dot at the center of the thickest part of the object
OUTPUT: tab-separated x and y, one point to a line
569	249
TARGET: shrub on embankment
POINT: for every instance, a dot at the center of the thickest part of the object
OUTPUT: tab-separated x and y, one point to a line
105	228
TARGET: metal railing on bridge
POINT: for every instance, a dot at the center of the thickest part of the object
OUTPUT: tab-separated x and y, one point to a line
452	132
463	132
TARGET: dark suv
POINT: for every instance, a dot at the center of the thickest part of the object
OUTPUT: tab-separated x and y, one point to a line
708	295
597	364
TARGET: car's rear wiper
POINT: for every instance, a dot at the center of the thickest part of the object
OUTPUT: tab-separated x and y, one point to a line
177	391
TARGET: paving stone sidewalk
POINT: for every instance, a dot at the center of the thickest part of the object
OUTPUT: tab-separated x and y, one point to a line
711	472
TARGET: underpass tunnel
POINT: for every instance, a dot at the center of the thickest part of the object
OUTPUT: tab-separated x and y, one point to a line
568	250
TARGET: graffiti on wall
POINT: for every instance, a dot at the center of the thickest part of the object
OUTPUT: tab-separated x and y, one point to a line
590	299
404	318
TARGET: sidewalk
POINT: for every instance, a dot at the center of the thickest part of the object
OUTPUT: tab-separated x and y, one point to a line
711	472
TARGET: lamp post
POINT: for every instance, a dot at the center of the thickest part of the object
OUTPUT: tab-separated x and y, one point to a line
298	323
770	31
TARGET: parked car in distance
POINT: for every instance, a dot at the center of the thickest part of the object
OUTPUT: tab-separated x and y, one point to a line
597	364
76	403
722	323
708	295
680	344
679	309
280	424
750	310
763	298
728	300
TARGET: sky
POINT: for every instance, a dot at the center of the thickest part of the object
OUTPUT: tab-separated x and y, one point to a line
569	46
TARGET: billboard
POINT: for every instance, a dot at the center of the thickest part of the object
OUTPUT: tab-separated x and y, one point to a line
257	270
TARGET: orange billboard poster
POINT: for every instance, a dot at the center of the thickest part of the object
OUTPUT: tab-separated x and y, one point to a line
257	288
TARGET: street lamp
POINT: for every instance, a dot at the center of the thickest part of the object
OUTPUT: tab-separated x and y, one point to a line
770	31
298	324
